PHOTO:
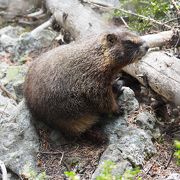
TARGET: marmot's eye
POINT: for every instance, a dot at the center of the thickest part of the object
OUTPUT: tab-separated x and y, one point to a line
129	42
133	43
111	38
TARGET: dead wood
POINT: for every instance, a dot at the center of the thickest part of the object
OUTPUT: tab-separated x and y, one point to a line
3	170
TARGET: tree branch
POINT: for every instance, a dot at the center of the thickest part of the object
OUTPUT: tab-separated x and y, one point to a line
3	170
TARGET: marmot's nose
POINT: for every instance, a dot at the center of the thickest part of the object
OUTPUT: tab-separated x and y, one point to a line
145	46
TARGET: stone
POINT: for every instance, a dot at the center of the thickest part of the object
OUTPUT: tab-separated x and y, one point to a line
27	42
4	3
113	154
7	43
18	88
128	146
136	145
19	7
12	78
6	107
174	176
113	128
19	43
8	37
147	121
3	69
128	101
19	141
12	31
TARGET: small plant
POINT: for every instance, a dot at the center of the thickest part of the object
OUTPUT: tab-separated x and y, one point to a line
155	9
32	175
131	174
177	151
72	175
107	174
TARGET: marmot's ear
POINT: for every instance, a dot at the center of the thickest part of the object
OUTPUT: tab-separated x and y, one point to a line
111	38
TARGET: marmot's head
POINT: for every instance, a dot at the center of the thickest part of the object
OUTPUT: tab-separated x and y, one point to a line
123	47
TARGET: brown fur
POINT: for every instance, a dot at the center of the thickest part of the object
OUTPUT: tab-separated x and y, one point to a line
71	84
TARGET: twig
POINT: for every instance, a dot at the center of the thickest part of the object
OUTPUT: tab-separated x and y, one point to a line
177	18
4	111
42	26
7	92
169	160
134	14
3	170
177	9
122	19
36	14
52	153
62	156
147	172
175	5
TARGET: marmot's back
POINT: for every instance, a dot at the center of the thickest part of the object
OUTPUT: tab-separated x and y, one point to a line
70	85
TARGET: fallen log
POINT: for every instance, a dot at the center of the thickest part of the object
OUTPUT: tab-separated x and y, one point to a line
161	72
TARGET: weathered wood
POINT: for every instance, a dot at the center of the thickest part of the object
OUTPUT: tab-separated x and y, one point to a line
162	73
76	18
162	38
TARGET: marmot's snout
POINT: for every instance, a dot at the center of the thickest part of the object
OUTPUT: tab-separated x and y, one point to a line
143	49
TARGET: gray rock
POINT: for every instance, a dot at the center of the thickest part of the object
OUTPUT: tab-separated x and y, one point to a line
3	68
11	31
128	146
4	3
6	107
128	101
7	43
174	176
8	37
19	142
12	77
136	145
15	41
112	153
113	128
27	43
133	147
19	7
18	88
147	121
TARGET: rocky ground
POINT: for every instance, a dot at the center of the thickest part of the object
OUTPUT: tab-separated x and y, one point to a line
143	136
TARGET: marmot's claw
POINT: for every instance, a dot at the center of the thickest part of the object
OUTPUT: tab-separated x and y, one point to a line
117	87
119	112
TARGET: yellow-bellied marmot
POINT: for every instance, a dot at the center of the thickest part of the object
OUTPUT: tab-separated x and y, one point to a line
71	85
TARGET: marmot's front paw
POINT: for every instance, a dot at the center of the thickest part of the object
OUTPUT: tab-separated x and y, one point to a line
95	135
117	87
119	112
